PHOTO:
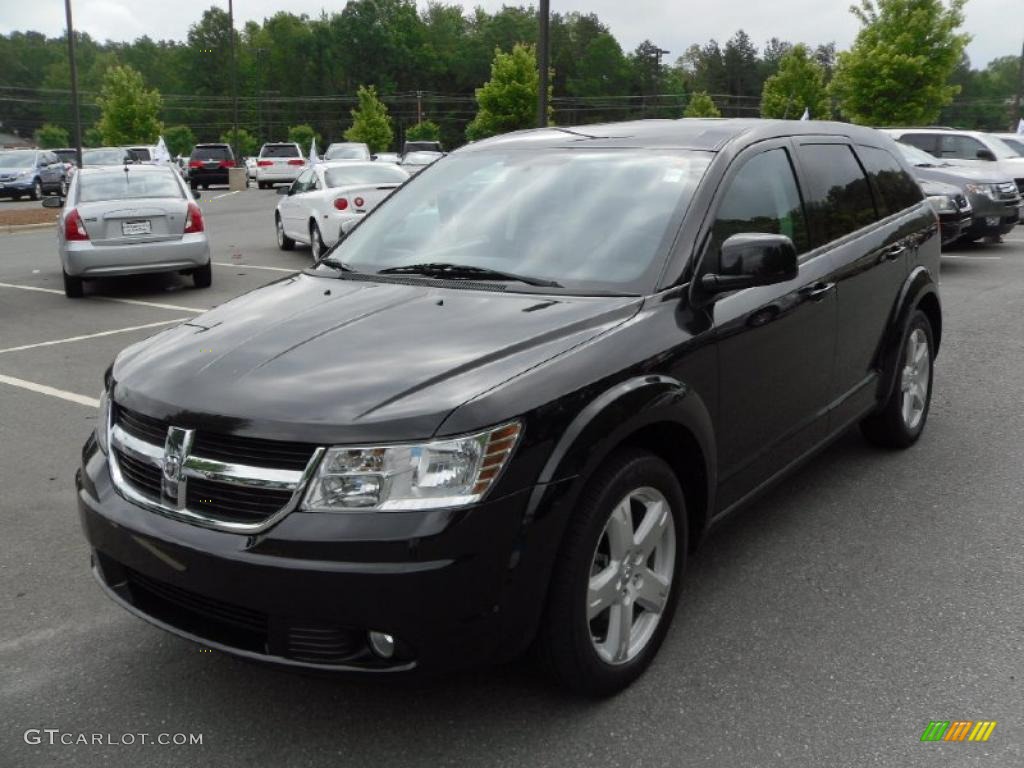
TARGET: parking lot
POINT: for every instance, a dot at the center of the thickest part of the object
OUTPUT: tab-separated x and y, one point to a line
825	625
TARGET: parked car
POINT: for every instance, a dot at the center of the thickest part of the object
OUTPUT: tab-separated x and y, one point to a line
329	198
387	157
951	206
414	162
994	200
250	169
971	148
279	162
31	173
504	419
129	220
347	150
209	164
96	157
422	146
1014	141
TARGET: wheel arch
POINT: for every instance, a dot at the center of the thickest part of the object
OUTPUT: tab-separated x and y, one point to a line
919	291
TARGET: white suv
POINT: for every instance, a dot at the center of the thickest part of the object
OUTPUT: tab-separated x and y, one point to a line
278	163
970	148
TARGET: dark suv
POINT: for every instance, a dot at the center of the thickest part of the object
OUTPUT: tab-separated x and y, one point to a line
505	418
209	163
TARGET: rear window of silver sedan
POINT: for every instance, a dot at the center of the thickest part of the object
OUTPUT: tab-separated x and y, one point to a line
121	184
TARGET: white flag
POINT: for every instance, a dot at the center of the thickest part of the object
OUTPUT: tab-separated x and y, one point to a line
314	158
1020	127
806	115
162	155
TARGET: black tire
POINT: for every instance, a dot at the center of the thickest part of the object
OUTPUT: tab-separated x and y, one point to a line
206	186
564	642
314	238
72	286
203	276
284	242
37	190
888	427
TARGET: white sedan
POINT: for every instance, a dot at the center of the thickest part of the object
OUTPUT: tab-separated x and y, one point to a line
329	198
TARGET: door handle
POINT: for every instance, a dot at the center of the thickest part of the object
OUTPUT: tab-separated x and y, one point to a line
894	252
816	291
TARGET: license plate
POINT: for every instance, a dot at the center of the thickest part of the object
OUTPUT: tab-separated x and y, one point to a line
140	227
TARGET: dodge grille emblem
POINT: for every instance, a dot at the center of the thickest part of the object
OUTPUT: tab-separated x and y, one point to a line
176	450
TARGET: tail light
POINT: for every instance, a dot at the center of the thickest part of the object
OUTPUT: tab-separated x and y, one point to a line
226	164
193	219
296	162
195	163
359	202
74	228
341	203
264	163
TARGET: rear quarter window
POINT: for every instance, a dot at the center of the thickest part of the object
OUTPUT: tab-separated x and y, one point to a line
895	188
838	195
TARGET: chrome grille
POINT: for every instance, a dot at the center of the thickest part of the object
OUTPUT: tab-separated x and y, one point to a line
219	481
1007	190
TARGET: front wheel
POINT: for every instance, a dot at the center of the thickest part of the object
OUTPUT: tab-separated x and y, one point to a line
613	590
203	276
37	190
284	242
901	420
316	242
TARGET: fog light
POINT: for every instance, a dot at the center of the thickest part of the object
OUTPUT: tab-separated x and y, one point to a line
383	645
992	221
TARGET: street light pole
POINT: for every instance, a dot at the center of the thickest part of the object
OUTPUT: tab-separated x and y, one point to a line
234	79
542	62
74	84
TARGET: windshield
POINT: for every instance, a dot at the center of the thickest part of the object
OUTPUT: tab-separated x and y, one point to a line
211	153
916	156
102	156
140	153
349	175
421	158
1017	145
1001	149
592	220
17	159
115	184
350	152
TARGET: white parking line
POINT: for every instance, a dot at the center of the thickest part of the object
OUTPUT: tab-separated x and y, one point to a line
136	302
51	391
218	197
92	335
252	266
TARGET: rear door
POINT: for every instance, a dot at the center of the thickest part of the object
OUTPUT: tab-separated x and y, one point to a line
776	344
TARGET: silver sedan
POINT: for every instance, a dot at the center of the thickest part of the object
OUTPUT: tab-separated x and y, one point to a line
130	220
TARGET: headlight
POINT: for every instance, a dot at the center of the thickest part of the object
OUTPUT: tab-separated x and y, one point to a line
25	174
441	473
943	203
101	422
988	190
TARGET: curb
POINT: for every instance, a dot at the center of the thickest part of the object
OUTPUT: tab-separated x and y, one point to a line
13	229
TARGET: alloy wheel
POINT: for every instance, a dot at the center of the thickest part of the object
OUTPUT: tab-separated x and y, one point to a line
280	233
631	575
316	243
915	378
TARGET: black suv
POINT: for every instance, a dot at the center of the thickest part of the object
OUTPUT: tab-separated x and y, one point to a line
209	163
505	418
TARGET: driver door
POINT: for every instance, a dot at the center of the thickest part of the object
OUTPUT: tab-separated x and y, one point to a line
292	208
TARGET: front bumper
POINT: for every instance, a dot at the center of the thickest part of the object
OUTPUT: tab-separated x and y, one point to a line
20	187
993	217
278	176
306	592
86	259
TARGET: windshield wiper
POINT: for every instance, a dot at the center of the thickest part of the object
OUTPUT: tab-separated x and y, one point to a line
466	271
341	266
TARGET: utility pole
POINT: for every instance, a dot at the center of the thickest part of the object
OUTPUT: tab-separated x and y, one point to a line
542	62
234	79
419	107
74	84
1020	93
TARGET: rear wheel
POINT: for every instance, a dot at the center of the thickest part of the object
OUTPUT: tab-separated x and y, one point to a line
37	190
203	276
901	421
614	587
316	242
284	242
72	286
261	184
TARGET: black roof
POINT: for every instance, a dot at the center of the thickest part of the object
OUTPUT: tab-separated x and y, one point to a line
709	134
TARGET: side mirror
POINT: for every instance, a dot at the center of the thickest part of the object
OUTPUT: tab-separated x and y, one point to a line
284	190
749	260
373	157
986	154
196	194
53	202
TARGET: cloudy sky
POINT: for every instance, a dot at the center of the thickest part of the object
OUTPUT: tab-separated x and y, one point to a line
996	25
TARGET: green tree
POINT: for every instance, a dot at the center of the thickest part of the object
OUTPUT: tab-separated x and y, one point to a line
179	139
92	137
799	84
427	130
701	105
50	136
243	142
371	123
508	101
129	114
302	135
898	70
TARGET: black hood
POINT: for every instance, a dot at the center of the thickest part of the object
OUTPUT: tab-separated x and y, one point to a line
333	360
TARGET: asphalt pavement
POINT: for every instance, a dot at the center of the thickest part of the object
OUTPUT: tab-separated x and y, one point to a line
825	625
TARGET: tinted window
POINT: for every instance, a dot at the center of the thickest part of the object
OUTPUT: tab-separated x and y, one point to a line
280	150
365	174
929	142
211	153
140	154
896	189
762	197
961	147
838	195
118	185
67	155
